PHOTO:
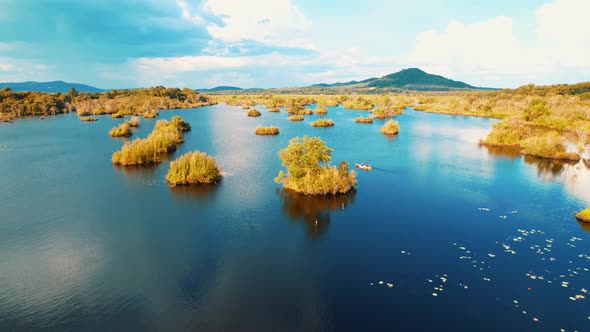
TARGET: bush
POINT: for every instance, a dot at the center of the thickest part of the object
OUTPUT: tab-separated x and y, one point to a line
309	171
275	110
88	119
380	113
135	121
266	130
117	115
584	215
536	109
360	119
193	168
323	123
180	124
254	113
123	130
321	110
6	117
296	117
509	132
150	114
390	128
548	145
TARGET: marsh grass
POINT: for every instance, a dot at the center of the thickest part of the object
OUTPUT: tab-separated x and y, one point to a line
123	130
361	119
88	119
193	168
296	117
391	127
254	113
266	130
323	123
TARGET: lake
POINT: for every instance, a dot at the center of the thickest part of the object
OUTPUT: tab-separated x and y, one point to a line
442	235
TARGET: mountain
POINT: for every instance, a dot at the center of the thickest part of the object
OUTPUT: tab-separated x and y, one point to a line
52	87
221	88
407	79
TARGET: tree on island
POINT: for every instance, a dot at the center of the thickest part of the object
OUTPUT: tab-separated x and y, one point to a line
309	171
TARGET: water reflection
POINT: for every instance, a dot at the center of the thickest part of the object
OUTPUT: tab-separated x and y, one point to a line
314	211
549	167
585	225
201	193
508	152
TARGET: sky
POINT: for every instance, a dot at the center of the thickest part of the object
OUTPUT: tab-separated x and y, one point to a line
286	43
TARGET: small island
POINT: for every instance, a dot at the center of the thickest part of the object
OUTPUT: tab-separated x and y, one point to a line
321	109
309	171
193	168
254	113
296	117
123	130
390	128
323	123
361	119
88	119
584	215
150	114
266	130
161	140
135	121
274	110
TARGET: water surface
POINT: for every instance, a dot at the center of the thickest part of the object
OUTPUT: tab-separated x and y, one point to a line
88	246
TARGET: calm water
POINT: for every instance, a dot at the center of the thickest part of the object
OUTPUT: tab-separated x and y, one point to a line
86	246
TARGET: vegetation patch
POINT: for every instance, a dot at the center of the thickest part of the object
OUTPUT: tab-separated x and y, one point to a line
391	127
309	172
135	121
193	168
274	110
323	123
254	113
266	130
117	115
123	130
584	215
150	114
6	117
361	119
88	119
296	117
321	110
161	140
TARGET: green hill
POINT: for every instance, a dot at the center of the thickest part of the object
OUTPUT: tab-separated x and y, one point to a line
51	87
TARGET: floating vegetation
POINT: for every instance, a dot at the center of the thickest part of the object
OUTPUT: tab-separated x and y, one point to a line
193	168
123	130
584	215
309	171
88	119
323	123
254	113
161	140
391	127
361	119
296	117
266	130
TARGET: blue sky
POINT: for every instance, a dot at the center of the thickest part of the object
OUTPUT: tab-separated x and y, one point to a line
280	43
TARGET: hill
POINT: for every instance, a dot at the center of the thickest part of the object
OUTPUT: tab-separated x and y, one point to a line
407	79
221	88
51	87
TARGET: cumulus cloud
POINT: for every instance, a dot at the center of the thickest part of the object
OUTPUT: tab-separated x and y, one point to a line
271	22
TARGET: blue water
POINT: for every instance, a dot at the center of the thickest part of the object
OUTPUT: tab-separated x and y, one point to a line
87	246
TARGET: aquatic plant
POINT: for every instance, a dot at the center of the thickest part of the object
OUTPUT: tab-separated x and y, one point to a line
266	130
150	114
584	215
254	113
161	140
305	111
321	110
391	127
117	115
323	123
123	130
296	117
180	124
548	145
309	171
88	119
361	119
274	110
193	168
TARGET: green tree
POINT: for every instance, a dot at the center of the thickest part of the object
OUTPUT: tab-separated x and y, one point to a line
536	109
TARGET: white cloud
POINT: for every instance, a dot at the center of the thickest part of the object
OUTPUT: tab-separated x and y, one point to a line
271	22
187	15
231	79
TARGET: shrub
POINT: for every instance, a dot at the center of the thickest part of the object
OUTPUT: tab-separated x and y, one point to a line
536	109
88	119
360	119
193	168
275	110
135	121
548	145
305	111
309	171
296	117
266	130
380	113
6	117
584	215
508	132
117	115
245	107
150	114
321	110
180	124
254	113
390	128
323	123
123	130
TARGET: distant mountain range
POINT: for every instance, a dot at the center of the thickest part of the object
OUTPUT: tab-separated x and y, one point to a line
407	79
52	87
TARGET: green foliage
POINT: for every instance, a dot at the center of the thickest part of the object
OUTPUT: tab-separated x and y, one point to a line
309	171
161	140
536	109
254	113
123	130
323	123
391	127
192	168
266	130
